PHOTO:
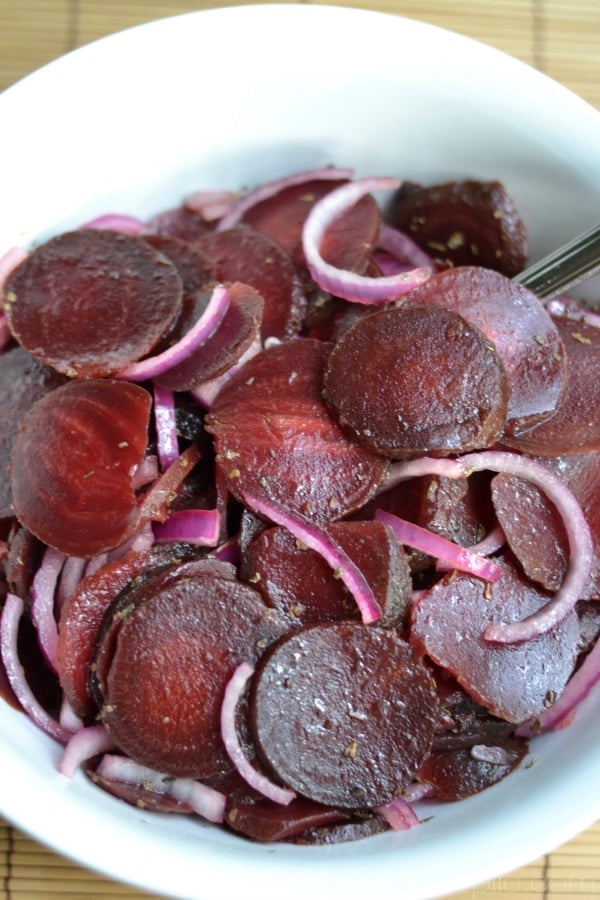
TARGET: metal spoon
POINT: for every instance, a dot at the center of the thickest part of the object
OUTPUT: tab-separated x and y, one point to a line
564	267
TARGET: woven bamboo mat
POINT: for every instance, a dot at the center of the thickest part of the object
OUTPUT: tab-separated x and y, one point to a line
560	37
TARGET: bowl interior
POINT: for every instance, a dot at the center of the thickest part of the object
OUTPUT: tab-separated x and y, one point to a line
134	122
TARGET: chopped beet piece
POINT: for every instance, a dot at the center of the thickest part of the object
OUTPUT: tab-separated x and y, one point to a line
176	645
267	821
575	427
343	713
457	774
77	495
23	380
238	330
83	611
302	586
355	830
90	302
463	223
275	438
434	386
525	337
244	254
137	795
513	681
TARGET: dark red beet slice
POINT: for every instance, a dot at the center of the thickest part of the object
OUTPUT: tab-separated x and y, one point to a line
25	554
525	337
72	463
23	380
173	654
416	380
342	833
575	427
343	714
534	530
266	821
239	328
457	774
83	612
463	223
192	266
244	254
179	222
302	586
465	722
276	440
90	302
349	242
514	681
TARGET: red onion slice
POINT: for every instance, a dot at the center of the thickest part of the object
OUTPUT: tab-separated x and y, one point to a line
9	631
401	246
83	745
272	188
578	687
166	426
317	539
72	572
341	282
233	693
194	526
43	591
435	545
202	330
120	222
204	800
68	718
399	814
576	526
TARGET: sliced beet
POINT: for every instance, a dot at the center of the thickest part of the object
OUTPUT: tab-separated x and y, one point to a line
409	381
174	651
349	242
276	440
302	586
463	223
525	337
360	827
238	330
457	774
137	795
513	681
534	530
23	380
179	222
267	821
83	612
343	713
194	270
72	463
575	427
90	302
244	254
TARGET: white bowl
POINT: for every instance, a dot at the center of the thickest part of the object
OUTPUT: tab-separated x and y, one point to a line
233	97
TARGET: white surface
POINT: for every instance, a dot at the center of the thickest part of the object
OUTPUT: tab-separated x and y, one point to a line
232	97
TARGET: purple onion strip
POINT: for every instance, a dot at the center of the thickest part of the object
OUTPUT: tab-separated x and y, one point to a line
201	331
399	814
233	693
317	539
43	593
194	526
166	426
83	745
9	631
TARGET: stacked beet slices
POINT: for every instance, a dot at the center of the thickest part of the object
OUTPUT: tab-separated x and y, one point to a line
299	503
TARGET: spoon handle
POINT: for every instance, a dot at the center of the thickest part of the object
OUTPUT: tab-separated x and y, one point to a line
565	267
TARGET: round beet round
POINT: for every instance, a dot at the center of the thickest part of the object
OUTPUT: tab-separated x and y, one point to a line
90	302
344	714
409	381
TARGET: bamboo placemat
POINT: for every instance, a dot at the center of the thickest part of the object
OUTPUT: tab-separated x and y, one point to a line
560	37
